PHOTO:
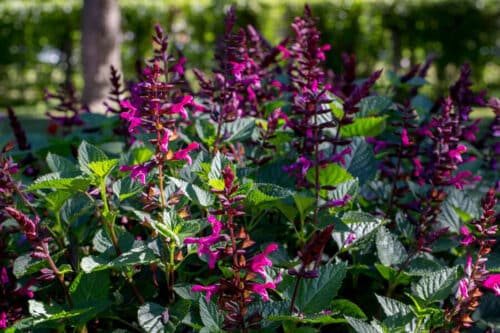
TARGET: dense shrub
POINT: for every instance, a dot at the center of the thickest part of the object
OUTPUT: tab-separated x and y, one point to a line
279	197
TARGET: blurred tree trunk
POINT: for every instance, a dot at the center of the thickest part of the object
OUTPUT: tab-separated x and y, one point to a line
101	38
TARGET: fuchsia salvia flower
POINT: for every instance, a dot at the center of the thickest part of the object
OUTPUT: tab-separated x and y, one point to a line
204	243
130	116
179	66
139	172
3	276
350	239
183	154
468	237
210	290
164	141
284	51
493	282
463	288
179	107
3	320
404	137
456	154
259	261
261	289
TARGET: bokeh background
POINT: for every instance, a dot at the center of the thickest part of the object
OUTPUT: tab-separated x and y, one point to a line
41	40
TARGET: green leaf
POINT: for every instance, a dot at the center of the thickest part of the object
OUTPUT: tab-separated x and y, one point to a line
435	286
63	166
125	188
319	319
347	308
194	192
142	155
392	275
389	249
88	153
75	207
367	127
68	184
361	161
265	193
103	168
141	255
315	295
153	317
239	130
332	175
374	105
89	288
362	327
218	163
25	265
361	224
55	200
392	306
210	316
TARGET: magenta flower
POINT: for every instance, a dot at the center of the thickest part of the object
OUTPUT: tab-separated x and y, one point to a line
468	237
463	289
3	276
164	142
3	320
456	154
210	290
261	289
259	261
204	243
493	282
338	202
130	116
284	51
180	107
351	238
183	153
139	171
404	137
179	66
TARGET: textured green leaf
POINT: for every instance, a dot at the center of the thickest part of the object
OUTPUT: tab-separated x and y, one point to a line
126	188
332	175
361	224
392	306
262	193
103	168
141	255
154	318
194	192
373	105
63	166
315	295
361	161
389	249
210	316
362	327
55	200
239	130
88	153
75	207
347	308
436	286
68	184
89	288
367	127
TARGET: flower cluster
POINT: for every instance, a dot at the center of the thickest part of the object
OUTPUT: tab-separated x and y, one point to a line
248	273
481	234
156	107
67	109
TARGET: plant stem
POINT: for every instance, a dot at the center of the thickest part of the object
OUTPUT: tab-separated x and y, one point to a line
59	275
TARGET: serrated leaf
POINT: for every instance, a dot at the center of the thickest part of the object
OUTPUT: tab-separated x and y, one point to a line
88	153
315	295
239	130
435	286
68	184
361	224
392	306
218	163
373	105
194	192
103	168
366	127
361	161
75	207
126	188
347	308
61	165
151	317
363	327
332	175
210	315
25	264
262	193
88	288
55	200
449	218
390	251
141	255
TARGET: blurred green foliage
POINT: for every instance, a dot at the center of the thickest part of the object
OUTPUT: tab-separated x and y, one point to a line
40	40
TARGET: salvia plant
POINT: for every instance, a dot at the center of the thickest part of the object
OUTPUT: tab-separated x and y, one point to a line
277	196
